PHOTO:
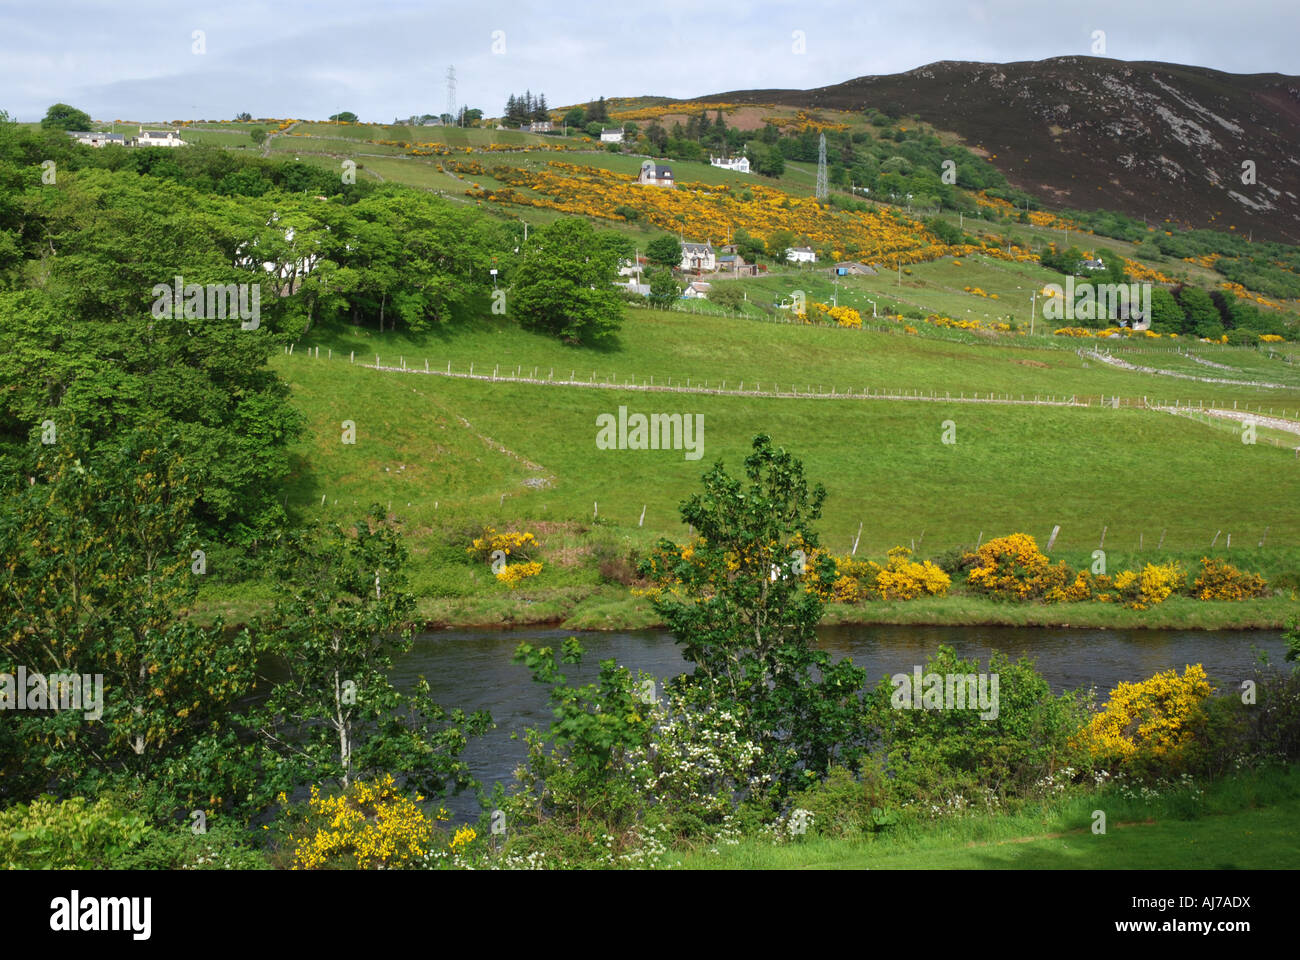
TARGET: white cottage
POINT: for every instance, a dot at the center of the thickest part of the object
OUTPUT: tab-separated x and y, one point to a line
652	174
801	254
699	257
158	138
738	164
611	136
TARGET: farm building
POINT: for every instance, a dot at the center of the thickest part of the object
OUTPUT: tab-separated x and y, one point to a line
611	136
801	254
98	139
698	290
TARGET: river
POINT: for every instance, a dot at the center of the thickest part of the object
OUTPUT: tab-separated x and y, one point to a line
472	669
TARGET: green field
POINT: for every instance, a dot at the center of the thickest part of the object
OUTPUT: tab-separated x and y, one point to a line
448	454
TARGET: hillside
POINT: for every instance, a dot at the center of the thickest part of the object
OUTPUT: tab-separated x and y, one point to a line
1157	140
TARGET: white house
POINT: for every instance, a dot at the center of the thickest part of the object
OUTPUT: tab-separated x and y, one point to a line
800	254
699	257
739	164
540	126
158	138
652	174
98	139
611	136
698	290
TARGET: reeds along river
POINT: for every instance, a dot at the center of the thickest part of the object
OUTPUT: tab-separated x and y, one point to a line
472	669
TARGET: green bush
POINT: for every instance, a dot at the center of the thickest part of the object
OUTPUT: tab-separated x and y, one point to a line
69	835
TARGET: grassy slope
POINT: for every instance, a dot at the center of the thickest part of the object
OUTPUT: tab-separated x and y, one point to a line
448	453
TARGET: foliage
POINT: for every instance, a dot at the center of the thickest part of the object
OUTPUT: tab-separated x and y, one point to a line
521	545
934	756
564	284
98	581
1220	580
1154	720
665	250
60	116
369	826
664	290
71	834
738	608
594	728
1012	568
341	620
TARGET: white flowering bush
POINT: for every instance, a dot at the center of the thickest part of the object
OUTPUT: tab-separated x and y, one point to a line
698	763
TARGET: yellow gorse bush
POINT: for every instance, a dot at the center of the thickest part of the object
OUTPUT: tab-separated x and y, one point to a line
1148	719
512	574
463	838
901	578
1220	580
510	543
369	826
1013	568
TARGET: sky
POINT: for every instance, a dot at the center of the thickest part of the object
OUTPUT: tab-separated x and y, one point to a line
382	59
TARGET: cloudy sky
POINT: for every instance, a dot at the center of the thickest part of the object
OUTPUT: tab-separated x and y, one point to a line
140	60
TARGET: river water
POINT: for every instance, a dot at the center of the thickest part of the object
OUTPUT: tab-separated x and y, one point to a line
472	669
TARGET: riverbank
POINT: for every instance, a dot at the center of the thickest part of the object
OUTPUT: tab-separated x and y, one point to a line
612	607
1243	822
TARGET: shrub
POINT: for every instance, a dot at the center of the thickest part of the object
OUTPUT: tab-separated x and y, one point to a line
1012	568
368	826
512	574
71	834
902	578
517	546
1220	580
1154	721
950	758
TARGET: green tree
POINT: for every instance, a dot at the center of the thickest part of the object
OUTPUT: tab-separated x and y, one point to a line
778	242
575	118
258	135
346	116
750	248
664	290
341	619
730	295
60	116
744	607
664	250
1201	315
564	286
1166	315
101	571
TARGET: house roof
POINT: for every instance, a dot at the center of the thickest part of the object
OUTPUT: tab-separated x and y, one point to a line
690	247
700	285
